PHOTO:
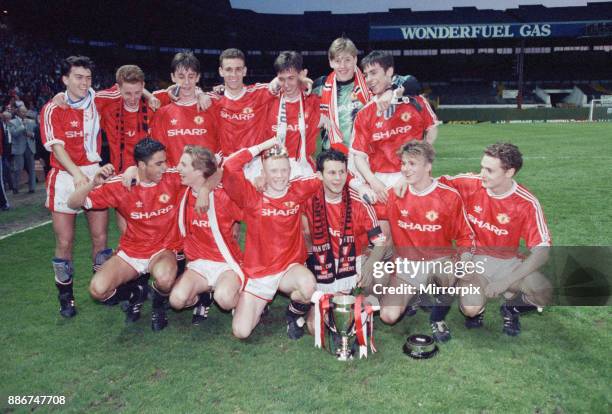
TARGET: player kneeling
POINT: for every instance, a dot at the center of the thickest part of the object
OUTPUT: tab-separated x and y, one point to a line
503	212
424	223
151	238
274	248
340	225
213	254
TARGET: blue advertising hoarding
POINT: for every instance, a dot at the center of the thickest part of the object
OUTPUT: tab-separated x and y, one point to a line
491	30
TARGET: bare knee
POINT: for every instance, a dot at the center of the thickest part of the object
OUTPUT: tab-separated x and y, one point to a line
389	315
471	311
226	298
241	331
63	246
98	289
178	299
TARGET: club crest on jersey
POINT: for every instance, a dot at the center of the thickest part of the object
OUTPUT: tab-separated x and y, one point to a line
74	124
247	110
198	120
354	96
164	198
379	124
405	116
404	213
173	121
477	209
503	218
139	204
431	215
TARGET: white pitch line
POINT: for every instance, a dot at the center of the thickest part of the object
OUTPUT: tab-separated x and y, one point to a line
44	223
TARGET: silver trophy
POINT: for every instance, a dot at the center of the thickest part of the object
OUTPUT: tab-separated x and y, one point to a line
342	322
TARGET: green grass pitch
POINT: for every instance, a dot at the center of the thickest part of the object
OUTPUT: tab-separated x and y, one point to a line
559	364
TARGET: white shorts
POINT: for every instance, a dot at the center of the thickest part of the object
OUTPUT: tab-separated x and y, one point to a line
209	270
496	268
418	272
345	284
141	265
265	287
60	186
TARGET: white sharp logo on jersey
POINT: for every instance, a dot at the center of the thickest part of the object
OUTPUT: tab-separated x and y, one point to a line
428	228
377	136
238	117
150	214
200	223
487	226
74	134
277	212
290	127
187	131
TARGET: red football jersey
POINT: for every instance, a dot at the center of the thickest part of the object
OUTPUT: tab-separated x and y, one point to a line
65	126
151	212
381	138
197	230
176	125
123	128
312	117
500	221
274	237
241	120
365	223
424	224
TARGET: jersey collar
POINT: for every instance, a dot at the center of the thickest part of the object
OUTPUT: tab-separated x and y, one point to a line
236	97
425	191
504	195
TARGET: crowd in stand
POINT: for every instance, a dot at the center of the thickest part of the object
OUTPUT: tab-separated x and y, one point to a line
29	76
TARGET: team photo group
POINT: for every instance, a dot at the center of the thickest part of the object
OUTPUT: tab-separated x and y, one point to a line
312	186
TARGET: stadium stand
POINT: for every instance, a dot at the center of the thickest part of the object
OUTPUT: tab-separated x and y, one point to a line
452	71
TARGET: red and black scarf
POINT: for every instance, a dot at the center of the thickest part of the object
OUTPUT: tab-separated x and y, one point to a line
329	101
142	124
322	260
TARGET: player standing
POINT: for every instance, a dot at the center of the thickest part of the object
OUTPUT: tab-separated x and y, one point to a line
181	123
379	136
296	118
72	135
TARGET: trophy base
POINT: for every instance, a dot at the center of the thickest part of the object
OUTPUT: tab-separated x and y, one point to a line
420	347
344	356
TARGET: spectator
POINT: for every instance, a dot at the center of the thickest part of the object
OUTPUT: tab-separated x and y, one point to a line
23	149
